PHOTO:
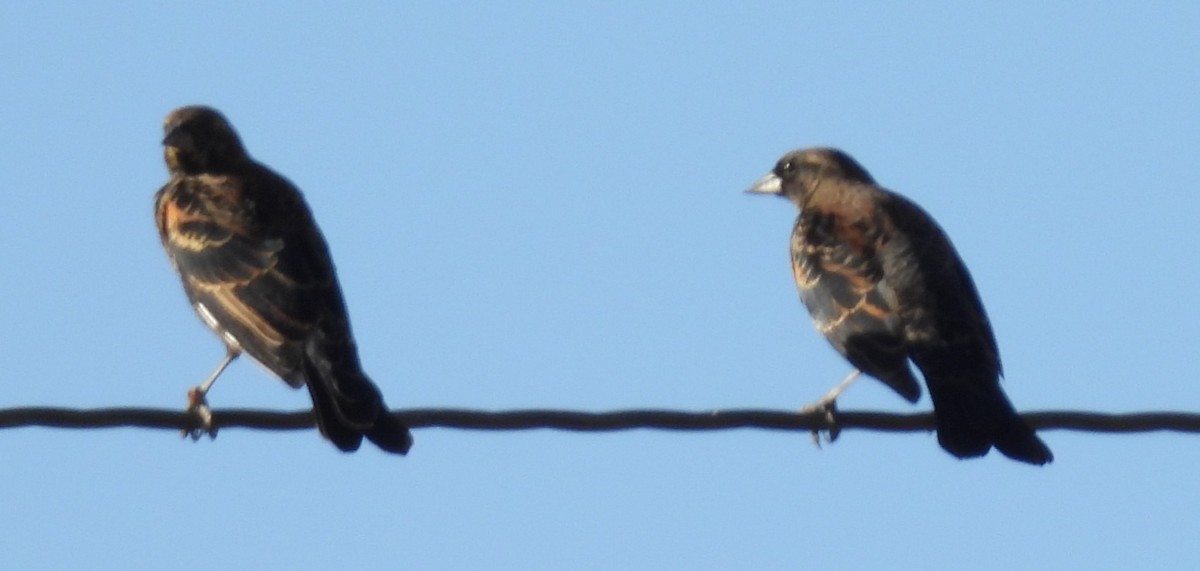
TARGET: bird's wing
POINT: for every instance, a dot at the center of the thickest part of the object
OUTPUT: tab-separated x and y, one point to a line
835	258
245	271
943	298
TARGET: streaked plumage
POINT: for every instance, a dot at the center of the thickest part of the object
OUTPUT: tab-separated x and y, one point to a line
257	271
884	285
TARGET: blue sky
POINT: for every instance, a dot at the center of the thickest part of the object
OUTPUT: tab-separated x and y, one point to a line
539	205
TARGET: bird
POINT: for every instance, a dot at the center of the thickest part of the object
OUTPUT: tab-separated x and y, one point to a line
885	286
258	272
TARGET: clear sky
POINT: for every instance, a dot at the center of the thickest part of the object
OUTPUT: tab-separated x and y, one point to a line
540	205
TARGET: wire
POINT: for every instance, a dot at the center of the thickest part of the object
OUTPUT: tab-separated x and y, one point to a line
526	419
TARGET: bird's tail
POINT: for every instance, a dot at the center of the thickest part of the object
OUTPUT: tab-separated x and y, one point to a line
973	414
347	404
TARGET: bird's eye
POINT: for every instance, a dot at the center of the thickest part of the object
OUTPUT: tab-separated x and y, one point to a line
786	167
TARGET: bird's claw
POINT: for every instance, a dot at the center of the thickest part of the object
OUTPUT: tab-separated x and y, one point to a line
828	408
202	418
828	405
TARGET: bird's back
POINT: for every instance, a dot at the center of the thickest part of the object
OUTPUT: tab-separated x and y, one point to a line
950	339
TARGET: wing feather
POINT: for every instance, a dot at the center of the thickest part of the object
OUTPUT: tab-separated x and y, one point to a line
842	283
234	261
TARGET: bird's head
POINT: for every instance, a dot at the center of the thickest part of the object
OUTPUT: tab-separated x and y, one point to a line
199	139
799	173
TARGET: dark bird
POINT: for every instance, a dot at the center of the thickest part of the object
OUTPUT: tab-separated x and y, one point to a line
258	272
884	285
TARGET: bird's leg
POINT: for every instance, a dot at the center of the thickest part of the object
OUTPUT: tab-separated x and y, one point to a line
198	398
829	401
828	405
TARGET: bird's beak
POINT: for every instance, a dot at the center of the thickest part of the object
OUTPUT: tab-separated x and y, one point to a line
770	184
175	138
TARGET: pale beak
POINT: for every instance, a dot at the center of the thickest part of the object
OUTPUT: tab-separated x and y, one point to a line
770	184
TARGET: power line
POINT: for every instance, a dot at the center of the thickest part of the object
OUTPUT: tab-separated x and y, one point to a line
525	419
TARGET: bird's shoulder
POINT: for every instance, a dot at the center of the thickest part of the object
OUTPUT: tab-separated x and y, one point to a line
836	246
236	226
195	212
846	215
842	230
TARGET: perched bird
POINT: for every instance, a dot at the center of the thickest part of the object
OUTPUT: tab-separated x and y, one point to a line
257	271
884	285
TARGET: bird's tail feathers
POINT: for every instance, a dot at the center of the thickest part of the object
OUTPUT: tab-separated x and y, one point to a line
329	420
347	404
974	414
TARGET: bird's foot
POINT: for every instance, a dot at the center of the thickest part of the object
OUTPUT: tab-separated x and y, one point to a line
202	418
826	406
